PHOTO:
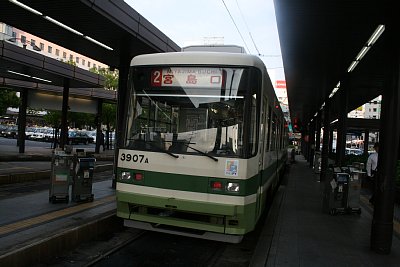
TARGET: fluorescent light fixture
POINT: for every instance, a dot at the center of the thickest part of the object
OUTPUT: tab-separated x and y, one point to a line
335	90
338	85
34	11
330	96
311	120
375	36
362	53
200	96
334	121
17	73
28	76
316	113
352	66
40	79
62	25
98	43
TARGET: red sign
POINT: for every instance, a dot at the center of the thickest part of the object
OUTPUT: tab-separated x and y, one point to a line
156	77
280	84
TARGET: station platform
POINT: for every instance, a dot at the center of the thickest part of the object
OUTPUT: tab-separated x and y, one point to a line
295	233
298	233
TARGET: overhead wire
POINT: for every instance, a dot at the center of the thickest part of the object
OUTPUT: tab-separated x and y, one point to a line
247	27
233	20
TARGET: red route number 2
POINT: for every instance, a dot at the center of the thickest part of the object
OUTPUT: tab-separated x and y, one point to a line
156	78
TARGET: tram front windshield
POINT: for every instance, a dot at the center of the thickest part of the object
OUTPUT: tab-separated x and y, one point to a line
192	110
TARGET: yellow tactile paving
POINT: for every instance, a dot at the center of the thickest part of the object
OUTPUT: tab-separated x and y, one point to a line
52	215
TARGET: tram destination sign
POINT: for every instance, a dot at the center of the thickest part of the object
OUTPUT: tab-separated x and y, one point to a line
189	77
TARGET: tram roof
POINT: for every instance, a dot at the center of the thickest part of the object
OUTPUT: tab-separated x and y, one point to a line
319	41
191	58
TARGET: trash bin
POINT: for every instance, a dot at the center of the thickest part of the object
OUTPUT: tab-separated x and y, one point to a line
60	178
83	178
317	161
336	192
356	177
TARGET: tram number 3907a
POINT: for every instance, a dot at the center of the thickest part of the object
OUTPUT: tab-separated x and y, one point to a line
134	157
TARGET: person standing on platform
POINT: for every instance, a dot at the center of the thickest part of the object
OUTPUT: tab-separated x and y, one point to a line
102	141
372	166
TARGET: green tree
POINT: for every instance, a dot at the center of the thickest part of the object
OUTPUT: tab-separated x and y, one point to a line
111	77
8	98
53	118
81	120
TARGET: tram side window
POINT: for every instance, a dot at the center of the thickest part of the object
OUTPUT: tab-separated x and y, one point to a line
268	143
253	127
254	115
273	132
279	135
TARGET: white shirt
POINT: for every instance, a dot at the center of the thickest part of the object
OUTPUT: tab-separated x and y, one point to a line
372	163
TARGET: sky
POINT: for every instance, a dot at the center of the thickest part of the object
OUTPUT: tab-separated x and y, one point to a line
189	22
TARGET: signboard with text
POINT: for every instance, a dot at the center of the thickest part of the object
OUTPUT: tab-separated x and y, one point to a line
187	77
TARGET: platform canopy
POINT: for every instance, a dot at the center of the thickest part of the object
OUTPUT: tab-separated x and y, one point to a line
107	31
319	41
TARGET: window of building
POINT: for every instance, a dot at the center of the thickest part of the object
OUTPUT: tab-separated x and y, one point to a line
374	109
83	62
23	39
94	65
88	64
57	52
41	46
49	49
71	57
33	42
77	59
64	55
14	34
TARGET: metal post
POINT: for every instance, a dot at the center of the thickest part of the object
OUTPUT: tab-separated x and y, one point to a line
325	143
64	115
306	143
342	123
366	142
99	134
382	223
330	147
22	120
122	104
318	132
311	142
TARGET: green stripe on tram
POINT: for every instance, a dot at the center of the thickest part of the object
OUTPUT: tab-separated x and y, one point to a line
191	183
201	184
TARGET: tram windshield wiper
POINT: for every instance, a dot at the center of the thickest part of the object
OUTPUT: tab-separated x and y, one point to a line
151	143
185	143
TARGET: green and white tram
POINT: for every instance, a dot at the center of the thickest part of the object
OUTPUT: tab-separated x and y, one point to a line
205	145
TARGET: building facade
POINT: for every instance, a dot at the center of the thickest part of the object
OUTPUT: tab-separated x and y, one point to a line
31	42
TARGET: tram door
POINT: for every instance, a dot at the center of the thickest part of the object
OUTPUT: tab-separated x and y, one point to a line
262	150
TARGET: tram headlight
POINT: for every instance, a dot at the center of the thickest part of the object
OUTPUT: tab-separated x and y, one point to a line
232	187
126	175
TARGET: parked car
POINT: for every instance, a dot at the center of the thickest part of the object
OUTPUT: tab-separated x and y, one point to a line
10	132
354	151
79	137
